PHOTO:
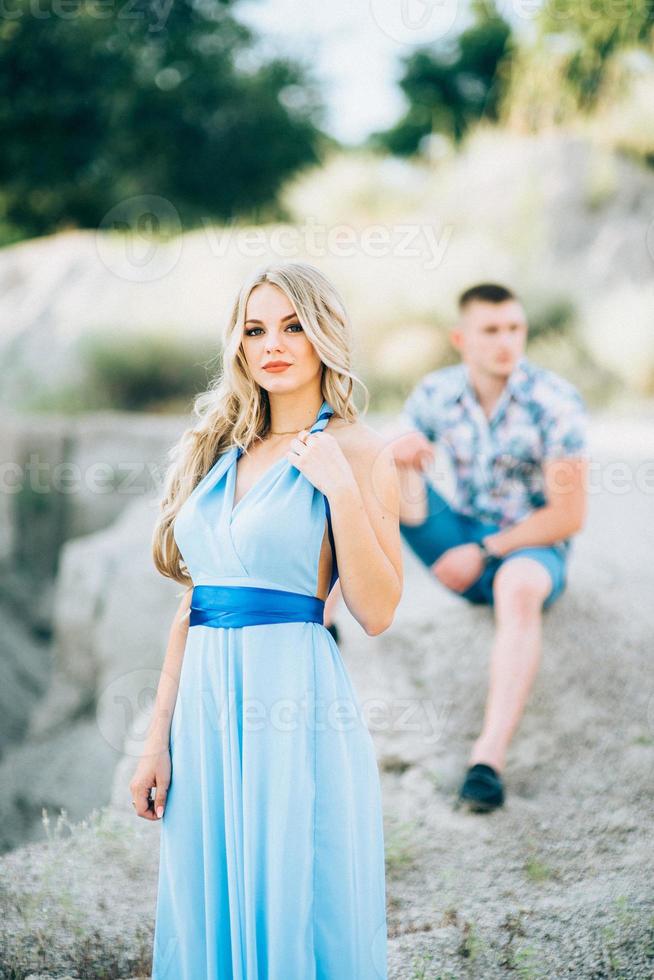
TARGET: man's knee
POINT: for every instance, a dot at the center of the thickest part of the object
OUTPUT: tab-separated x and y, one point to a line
520	587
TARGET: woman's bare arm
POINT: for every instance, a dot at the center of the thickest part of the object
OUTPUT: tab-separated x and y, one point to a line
365	522
153	769
159	730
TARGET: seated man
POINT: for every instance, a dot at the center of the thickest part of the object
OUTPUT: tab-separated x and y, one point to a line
515	434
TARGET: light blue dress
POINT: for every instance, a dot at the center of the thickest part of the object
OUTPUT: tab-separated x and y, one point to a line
272	854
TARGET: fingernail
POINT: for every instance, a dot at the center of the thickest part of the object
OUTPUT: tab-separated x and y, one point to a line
159	811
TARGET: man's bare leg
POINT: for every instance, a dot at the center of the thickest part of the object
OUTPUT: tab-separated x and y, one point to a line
519	589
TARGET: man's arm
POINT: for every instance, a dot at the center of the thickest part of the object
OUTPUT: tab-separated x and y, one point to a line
414	432
411	439
563	514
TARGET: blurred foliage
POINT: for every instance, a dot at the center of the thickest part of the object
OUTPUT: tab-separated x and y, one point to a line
453	84
552	315
568	355
625	116
136	372
588	64
596	32
144	371
581	58
103	103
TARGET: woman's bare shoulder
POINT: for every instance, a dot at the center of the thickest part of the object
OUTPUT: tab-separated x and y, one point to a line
358	440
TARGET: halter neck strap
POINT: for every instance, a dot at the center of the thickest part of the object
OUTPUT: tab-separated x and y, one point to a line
324	412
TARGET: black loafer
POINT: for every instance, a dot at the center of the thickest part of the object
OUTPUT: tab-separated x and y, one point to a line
482	789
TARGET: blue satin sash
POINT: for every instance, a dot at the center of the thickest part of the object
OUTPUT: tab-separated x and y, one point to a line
249	605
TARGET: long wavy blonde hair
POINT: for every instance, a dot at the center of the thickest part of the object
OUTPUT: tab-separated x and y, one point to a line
235	410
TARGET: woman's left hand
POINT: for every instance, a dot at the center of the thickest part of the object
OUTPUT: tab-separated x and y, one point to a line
322	461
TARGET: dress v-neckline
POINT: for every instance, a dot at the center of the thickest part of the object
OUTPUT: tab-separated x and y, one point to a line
231	507
232	489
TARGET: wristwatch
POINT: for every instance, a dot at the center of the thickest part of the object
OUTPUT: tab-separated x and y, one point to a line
486	553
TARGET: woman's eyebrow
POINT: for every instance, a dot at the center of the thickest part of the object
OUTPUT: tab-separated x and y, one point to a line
291	316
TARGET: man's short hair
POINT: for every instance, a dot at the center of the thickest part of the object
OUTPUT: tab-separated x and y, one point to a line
488	292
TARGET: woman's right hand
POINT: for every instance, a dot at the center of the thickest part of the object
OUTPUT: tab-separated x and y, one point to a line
152	772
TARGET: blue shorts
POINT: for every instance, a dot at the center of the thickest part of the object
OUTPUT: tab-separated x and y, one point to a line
446	528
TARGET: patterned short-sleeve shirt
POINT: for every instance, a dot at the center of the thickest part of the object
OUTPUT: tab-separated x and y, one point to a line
498	461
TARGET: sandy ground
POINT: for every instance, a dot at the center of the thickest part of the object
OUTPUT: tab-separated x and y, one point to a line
558	883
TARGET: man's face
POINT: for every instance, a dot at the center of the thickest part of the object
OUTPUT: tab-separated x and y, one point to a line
491	337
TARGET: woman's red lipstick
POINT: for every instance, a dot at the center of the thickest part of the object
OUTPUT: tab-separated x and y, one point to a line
276	366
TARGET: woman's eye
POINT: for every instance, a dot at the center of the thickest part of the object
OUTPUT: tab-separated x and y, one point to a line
251	331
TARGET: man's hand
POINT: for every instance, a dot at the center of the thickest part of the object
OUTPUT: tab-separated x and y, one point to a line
413	449
459	567
564	513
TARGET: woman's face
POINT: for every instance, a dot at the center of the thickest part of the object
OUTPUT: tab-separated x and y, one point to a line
273	333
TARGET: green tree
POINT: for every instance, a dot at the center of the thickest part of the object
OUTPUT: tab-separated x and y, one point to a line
452	85
105	101
597	31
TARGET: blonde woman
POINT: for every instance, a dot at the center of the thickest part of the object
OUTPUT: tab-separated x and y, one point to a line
263	770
